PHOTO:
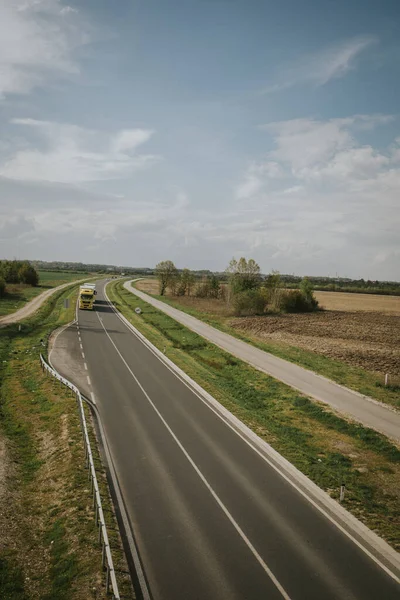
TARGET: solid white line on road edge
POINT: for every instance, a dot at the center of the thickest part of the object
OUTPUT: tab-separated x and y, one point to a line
88	379
93	398
127	527
204	480
85	365
230	420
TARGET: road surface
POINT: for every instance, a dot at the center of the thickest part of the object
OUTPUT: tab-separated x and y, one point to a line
358	407
33	305
212	519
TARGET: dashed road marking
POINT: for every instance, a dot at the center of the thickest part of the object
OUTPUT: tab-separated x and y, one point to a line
85	365
88	379
83	355
93	398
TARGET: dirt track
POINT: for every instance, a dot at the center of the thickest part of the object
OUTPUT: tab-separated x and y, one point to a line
31	307
369	340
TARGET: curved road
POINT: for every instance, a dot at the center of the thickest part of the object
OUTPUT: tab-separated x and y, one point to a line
212	518
358	407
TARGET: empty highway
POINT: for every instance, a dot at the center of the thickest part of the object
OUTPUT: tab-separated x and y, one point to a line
213	520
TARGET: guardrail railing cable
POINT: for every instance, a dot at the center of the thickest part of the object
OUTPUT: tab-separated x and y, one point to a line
107	561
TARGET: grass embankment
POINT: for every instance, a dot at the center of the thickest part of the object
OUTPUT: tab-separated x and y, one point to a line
358	379
327	448
49	543
18	294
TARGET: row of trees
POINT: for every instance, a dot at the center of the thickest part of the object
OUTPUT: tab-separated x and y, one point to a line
246	290
17	271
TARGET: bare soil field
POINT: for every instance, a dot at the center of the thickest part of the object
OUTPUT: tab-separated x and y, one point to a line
370	340
359	302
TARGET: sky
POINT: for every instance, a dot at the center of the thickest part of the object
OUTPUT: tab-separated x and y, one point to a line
201	130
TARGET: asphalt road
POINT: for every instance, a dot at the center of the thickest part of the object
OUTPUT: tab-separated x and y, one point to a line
212	519
360	408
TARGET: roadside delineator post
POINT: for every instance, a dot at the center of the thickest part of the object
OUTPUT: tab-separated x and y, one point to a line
386	378
342	490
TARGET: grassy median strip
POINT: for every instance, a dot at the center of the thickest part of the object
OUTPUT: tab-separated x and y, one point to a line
324	446
363	381
49	545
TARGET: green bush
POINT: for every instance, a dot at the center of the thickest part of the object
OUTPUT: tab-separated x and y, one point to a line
29	275
2	288
18	271
292	301
249	302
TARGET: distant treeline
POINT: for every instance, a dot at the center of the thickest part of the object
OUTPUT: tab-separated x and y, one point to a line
351	286
329	284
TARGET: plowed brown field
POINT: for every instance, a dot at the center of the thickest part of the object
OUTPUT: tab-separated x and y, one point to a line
369	340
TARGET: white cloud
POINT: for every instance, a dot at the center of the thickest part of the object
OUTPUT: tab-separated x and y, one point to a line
329	63
333	194
37	40
129	139
249	187
256	176
72	154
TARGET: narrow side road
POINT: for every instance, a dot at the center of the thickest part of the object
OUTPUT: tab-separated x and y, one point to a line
33	305
211	518
364	410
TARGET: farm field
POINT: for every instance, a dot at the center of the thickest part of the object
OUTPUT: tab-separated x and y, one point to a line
370	340
356	332
343	301
19	294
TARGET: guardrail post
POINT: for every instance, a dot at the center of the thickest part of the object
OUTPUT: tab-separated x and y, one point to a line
103	555
108	580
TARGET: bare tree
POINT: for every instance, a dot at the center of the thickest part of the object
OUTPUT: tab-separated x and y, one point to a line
166	274
243	275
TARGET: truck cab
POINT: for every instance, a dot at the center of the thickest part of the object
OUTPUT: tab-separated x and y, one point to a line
86	297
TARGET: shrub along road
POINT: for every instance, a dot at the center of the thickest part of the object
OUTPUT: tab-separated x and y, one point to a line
344	400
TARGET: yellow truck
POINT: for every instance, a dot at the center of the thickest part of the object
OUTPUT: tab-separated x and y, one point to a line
87	293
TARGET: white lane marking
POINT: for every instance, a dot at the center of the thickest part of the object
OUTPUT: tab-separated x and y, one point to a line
204	480
85	365
88	379
93	398
181	376
81	347
83	355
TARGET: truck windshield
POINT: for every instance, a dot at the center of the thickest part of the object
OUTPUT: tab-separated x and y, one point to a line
86	297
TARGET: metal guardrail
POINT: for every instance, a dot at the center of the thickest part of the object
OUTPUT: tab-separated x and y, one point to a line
107	561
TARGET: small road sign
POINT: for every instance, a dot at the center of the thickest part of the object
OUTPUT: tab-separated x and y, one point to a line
138	310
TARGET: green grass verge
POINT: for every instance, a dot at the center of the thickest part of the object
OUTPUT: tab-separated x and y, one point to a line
49	543
355	378
18	294
324	446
